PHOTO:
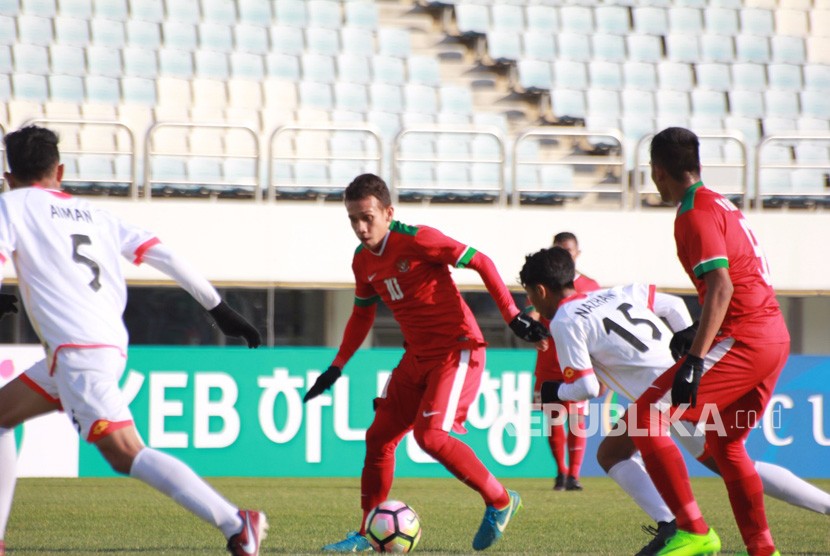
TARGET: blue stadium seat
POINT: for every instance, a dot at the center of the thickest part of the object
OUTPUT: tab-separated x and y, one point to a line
324	13
103	61
352	68
608	47
81	9
351	97
316	95
219	11
456	100
785	77
183	12
507	17
6	63
420	99
112	9
176	63
108	33
387	98
71	31
650	20
29	58
251	38
749	77
638	104
291	13
576	19
817	77
713	76
179	35
137	90
675	76
287	40
746	103
644	48
386	69
66	88
776	124
534	75
102	90
67	60
503	46
749	127
255	12
139	63
721	21
570	75
684	20
717	48
284	67
245	65
790	50
472	19
212	65
672	104
320	40
604	103
361	14
215	36
640	75
318	68
34	30
757	22
423	70
143	34
683	48
612	20
708	103
393	42
147	10
44	8
606	75
8	30
815	104
538	45
355	41
572	46
567	102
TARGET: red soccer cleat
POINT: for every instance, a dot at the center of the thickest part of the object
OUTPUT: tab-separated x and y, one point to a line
247	541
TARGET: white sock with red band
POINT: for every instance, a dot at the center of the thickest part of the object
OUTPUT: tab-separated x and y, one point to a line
631	475
784	485
8	476
175	479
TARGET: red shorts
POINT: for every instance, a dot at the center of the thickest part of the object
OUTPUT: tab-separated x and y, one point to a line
738	379
434	392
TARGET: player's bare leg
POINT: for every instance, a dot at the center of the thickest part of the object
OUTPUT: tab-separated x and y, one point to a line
126	453
18	403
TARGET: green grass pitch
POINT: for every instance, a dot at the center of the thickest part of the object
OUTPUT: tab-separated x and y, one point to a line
122	516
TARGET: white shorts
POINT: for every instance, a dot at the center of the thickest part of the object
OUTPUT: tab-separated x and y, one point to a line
85	382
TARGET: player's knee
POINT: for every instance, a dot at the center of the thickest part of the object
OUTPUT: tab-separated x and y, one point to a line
121	461
431	441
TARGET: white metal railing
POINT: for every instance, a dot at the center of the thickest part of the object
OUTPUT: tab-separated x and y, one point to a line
794	192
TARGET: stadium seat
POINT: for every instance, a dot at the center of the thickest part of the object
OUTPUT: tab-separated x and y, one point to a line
568	102
67	60
703	123
675	76
287	40
507	17
34	30
8	30
147	10
775	124
542	18
70	31
114	9
534	76
538	45
183	12
386	69
815	104
717	48
791	23
316	95
568	74
66	88
749	104
103	61
606	75
472	19
640	75
790	50
353	69
604	103
361	14
812	152
6	63
29	58
137	90
612	20
245	65
388	98
572	46
291	13
324	13
81	9
355	41
393	42
251	38
749	76
650	20
708	103
713	76
254	12
610	48
781	104
139	63
644	48
785	77
752	48
637	104
219	11
817	77
322	41
351	96
175	63
316	67
758	22
576	19
683	48
684	20
672	103
423	70
216	37
102	90
211	64
421	99
143	34
749	127
179	35
721	21
455	100
503	46
108	33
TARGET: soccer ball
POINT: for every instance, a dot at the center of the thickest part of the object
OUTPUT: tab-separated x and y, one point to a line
393	527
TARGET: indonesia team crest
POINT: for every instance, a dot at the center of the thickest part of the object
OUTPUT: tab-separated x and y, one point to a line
402	265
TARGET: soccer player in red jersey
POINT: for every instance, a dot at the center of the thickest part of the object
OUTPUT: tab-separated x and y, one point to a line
548	368
438	377
734	356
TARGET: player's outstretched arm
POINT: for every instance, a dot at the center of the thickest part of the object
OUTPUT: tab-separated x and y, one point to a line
231	323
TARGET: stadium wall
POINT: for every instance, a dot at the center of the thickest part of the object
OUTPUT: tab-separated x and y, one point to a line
311	244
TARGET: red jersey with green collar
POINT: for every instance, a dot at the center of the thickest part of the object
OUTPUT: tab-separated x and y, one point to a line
711	233
410	274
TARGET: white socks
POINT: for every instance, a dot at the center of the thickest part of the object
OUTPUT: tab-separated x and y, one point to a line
8	476
784	485
632	477
175	479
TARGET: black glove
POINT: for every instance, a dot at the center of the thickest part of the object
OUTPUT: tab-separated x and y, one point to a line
323	383
549	392
687	380
233	324
8	304
681	342
528	329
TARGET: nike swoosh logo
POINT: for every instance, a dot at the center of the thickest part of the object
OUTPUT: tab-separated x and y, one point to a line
250	544
371	276
689	378
502	526
430	413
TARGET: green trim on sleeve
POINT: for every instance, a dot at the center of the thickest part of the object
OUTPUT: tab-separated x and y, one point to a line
466	257
688	201
359	249
366	301
401	228
705	266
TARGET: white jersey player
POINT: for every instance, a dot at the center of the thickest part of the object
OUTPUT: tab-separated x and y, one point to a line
67	255
617	336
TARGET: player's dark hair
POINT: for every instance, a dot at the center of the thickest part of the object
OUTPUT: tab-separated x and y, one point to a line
368	185
562	237
32	152
677	150
552	268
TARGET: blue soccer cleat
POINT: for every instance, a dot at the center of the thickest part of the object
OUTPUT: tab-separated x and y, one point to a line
495	522
354	542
